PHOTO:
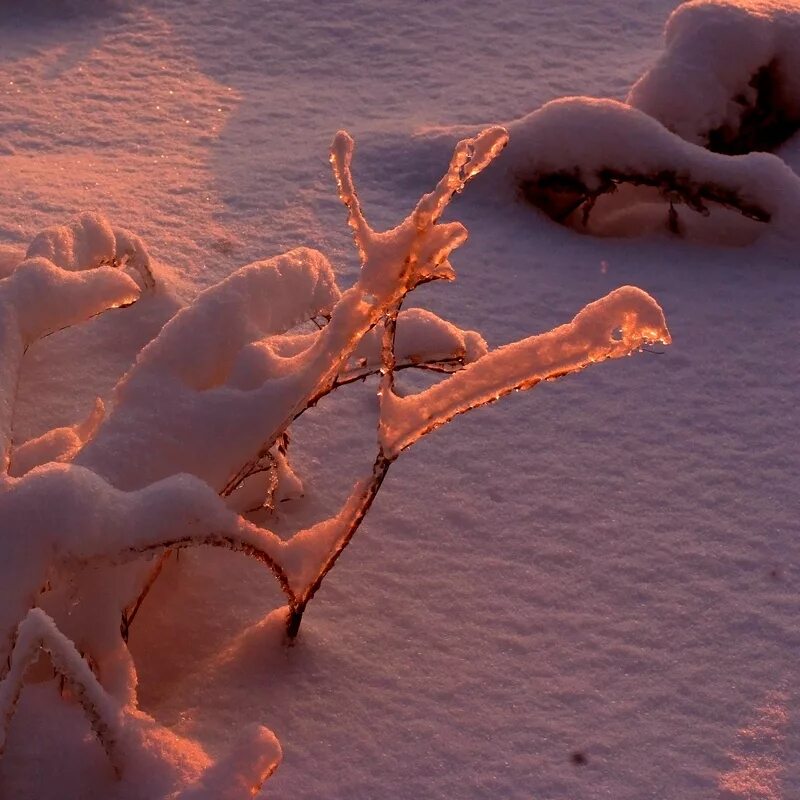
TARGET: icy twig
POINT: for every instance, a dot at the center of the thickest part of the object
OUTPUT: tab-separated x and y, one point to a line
341	157
612	327
392	263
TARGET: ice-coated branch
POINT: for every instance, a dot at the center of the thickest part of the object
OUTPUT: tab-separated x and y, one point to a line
225	401
199	427
470	157
248	539
424	341
36	633
612	327
393	262
341	157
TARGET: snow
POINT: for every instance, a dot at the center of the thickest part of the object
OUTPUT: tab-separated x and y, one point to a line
604	567
37	298
699	91
586	140
145	757
422	337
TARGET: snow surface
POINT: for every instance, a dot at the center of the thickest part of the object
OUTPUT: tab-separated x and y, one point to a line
588	590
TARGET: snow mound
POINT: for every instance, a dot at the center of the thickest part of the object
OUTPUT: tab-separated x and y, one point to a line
89	242
569	153
729	78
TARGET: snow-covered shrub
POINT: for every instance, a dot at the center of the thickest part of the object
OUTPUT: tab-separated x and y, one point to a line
729	78
61	513
199	429
571	152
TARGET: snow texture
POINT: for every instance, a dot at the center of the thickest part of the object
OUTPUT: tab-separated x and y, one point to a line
586	591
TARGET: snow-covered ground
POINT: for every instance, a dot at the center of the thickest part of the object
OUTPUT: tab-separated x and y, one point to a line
589	590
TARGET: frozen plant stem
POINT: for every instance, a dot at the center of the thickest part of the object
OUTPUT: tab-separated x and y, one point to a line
364	493
593	336
127	494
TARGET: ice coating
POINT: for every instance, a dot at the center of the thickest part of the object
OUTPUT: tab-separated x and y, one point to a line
198	431
612	327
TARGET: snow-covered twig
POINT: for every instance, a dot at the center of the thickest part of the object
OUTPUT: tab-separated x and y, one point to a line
36	299
36	633
126	734
89	242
